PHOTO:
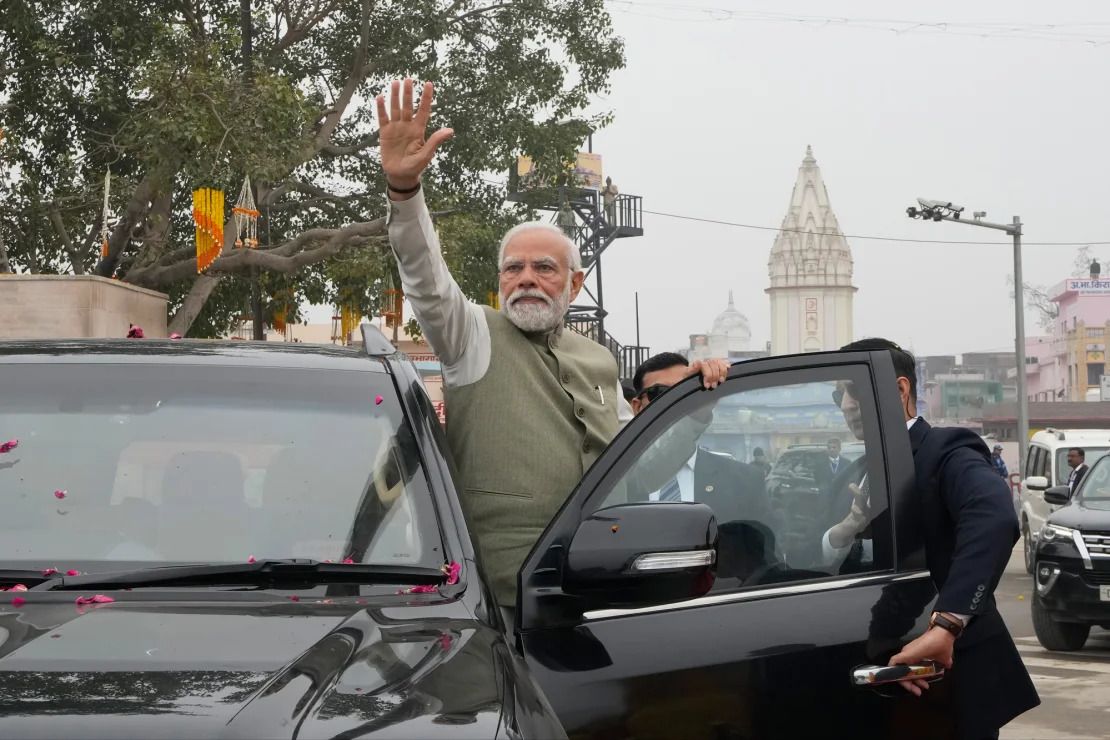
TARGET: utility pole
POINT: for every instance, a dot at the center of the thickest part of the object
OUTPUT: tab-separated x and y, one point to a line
258	332
933	210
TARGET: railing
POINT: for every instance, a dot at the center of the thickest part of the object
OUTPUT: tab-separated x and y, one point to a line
628	357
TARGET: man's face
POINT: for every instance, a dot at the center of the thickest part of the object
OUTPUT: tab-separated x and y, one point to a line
834	448
536	284
1074	460
656	381
849	406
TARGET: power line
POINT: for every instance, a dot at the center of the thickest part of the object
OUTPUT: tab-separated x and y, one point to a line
869	236
1088	32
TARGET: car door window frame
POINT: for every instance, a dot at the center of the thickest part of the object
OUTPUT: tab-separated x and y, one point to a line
540	590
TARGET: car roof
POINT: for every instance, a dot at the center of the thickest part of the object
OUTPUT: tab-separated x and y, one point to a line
293	355
1057	438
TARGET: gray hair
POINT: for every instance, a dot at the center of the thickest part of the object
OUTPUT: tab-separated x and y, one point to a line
574	257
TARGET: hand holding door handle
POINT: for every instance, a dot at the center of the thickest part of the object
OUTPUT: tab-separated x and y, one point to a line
879	675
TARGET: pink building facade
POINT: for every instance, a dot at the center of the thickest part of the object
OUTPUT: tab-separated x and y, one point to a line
1069	363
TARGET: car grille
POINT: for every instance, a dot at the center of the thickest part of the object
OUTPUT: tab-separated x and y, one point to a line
1098	544
1098	578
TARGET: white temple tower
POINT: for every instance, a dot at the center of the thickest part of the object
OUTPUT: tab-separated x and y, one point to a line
811	272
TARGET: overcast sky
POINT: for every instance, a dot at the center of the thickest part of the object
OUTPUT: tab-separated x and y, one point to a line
713	118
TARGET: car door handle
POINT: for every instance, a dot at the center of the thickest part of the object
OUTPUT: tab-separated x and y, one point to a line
878	675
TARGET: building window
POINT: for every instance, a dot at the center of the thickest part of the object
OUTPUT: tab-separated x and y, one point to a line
1094	372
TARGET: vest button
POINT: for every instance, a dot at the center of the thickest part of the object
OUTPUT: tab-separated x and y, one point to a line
580	411
566	378
586	446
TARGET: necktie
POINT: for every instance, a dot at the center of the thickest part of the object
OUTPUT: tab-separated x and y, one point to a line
834	464
671	491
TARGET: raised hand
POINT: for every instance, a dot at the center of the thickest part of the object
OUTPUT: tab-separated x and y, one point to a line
405	151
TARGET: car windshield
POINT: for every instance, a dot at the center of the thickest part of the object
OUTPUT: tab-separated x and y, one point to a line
178	463
1096	485
1063	470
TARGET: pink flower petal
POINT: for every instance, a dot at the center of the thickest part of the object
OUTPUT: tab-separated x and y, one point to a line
102	599
251	559
445	641
175	335
59	494
72	572
294	597
348	561
420	590
8	446
82	600
18	601
378	400
453	571
18	587
50	572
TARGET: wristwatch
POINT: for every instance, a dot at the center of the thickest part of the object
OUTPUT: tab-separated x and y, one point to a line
946	622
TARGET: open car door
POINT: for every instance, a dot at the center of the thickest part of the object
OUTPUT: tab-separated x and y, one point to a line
674	595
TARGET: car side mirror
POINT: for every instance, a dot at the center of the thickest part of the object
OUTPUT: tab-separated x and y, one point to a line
1058	495
1036	483
642	554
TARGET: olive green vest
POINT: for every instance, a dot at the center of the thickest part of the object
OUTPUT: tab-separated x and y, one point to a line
524	434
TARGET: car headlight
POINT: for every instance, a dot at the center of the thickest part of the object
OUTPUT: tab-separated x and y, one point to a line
1053	532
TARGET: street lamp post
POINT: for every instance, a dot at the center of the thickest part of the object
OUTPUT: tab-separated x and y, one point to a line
933	210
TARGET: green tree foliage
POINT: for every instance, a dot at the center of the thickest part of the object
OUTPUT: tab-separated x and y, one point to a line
158	93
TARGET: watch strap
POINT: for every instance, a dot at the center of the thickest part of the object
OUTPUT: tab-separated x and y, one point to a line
946	622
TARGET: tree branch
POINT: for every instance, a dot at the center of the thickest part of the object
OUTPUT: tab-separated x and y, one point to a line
338	150
193	304
356	78
136	211
307	248
75	260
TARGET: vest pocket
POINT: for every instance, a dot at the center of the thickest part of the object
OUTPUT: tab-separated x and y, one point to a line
487	492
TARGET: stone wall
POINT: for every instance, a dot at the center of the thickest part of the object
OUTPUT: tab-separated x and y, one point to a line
77	306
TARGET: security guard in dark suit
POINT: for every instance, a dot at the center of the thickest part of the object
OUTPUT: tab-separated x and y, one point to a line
969	529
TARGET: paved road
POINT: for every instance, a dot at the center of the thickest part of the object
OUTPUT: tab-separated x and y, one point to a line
1074	687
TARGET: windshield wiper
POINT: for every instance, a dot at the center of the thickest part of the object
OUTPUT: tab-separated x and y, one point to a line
262	574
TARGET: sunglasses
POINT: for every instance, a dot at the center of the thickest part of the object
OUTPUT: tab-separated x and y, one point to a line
845	387
653	392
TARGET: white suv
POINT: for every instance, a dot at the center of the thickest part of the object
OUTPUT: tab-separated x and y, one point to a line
1046	466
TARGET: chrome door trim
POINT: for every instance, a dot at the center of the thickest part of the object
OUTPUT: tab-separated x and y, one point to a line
756	594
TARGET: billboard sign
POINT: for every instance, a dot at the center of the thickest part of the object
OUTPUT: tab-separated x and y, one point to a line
1088	286
585	172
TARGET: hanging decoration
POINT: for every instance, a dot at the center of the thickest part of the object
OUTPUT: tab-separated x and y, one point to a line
104	217
246	216
349	316
493	300
208	215
394	302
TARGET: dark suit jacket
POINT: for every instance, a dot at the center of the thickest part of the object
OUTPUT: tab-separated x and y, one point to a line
734	490
1079	473
969	530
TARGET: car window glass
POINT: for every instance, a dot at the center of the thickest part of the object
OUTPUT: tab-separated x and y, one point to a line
1096	485
215	465
785	515
1030	461
1040	458
1063	470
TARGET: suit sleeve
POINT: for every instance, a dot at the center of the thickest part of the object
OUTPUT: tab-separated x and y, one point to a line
979	503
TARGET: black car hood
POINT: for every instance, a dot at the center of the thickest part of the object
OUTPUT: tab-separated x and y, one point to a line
235	669
1091	515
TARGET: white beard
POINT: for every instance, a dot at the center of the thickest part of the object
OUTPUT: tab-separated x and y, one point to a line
533	317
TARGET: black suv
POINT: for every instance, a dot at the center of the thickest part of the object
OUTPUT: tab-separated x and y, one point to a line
1072	563
240	540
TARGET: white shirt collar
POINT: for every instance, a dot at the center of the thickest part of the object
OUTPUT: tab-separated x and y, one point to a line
911	422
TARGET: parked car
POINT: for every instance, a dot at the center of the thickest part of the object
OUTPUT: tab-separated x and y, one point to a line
265	540
1072	561
1046	466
